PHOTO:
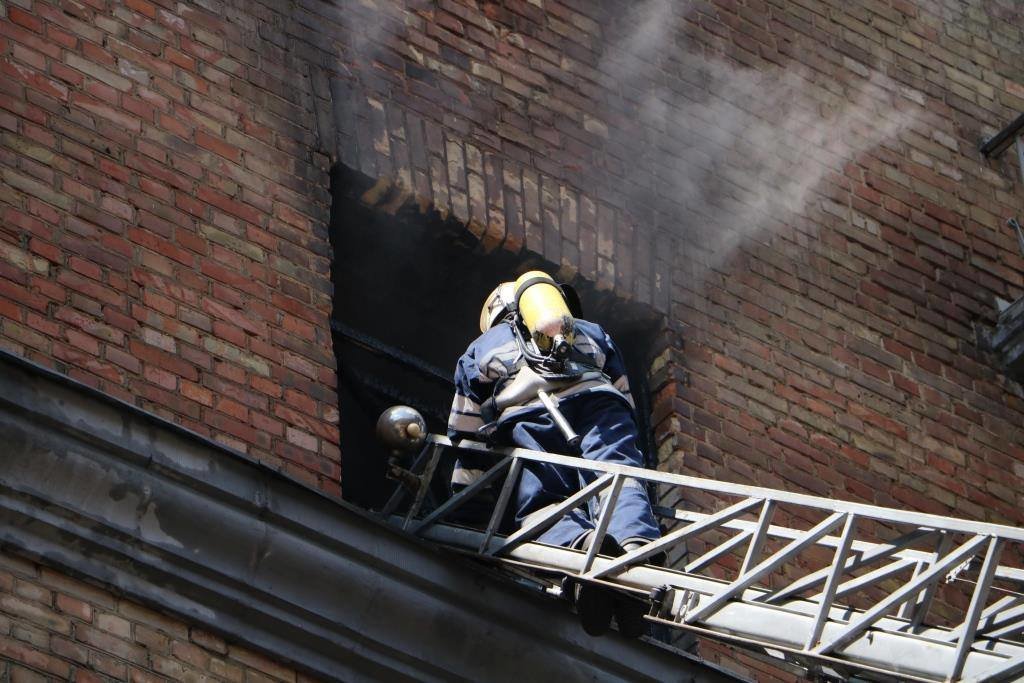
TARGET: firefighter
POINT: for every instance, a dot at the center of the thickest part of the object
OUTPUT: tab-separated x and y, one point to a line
530	343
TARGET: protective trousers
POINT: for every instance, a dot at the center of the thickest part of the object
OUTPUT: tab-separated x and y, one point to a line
609	434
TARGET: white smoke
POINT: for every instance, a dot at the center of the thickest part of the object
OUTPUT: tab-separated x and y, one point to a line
742	151
366	25
736	153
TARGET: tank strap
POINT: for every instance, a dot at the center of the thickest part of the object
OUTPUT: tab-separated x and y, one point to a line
529	283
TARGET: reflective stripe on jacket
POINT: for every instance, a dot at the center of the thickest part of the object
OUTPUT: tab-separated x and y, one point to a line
493	360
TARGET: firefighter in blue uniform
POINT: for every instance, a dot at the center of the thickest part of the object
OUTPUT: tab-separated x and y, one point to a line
531	343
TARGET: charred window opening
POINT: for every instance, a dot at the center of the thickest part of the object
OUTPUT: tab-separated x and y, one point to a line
408	286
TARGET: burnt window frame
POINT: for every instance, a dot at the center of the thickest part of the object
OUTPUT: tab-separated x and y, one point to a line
377	369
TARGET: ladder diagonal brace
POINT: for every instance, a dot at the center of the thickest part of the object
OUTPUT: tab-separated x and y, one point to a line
1003	610
757	541
765	567
856	562
459	499
872	577
859	547
988	570
907	611
602	523
425	479
829	594
499	508
675	537
918	609
716	552
855	628
530	532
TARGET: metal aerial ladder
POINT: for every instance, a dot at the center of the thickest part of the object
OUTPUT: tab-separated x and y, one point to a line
783	574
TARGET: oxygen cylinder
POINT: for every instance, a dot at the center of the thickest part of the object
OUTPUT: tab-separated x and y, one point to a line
544	313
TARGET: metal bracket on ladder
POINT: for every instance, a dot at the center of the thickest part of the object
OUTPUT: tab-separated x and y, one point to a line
777	586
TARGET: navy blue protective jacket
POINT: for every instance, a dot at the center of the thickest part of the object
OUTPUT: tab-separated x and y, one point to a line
492	361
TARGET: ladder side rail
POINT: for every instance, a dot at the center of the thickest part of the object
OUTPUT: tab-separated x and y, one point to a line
855	628
732	523
988	570
836	661
862	510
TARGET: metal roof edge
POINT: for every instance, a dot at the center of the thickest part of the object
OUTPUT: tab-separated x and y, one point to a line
100	489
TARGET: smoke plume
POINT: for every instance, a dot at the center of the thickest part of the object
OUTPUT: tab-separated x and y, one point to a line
741	151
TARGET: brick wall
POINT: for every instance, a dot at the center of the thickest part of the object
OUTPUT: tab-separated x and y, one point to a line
797	182
163	211
840	351
165	198
56	628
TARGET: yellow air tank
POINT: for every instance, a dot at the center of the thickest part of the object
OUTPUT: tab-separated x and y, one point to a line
545	313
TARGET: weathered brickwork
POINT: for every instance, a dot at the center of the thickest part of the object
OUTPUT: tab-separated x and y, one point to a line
163	230
795	184
837	350
56	628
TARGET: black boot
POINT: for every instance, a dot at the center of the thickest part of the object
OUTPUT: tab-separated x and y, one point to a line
629	612
629	615
595	604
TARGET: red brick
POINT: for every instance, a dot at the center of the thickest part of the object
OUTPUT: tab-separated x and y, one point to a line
23	18
228	205
34	80
218	146
19	652
106	111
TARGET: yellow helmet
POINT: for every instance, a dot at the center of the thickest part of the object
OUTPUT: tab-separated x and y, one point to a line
497	304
